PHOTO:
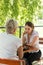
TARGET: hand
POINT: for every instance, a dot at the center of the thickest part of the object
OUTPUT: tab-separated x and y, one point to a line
29	44
24	33
30	50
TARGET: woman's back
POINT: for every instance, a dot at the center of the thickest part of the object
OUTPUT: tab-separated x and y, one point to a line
8	45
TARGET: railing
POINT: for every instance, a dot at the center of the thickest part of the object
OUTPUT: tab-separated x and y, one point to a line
20	29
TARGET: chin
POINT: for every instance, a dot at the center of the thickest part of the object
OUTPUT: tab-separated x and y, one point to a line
28	33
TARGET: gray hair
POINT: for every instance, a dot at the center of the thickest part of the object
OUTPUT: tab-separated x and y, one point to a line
11	25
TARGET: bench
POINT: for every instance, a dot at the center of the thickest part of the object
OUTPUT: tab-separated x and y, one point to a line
11	62
41	40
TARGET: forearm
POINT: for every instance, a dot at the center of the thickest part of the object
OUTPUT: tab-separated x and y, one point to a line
28	51
31	44
23	40
20	52
20	55
31	49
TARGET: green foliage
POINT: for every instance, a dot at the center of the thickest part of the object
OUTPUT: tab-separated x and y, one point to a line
15	9
22	10
3	10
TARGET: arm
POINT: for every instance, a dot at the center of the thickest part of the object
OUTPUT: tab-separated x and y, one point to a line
31	45
20	52
33	41
31	49
23	40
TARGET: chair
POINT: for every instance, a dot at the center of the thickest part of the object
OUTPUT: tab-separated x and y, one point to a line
11	62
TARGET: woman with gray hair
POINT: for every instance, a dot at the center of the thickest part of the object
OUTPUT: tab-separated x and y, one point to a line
11	26
9	43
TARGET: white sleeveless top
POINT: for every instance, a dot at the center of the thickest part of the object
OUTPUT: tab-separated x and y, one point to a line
34	33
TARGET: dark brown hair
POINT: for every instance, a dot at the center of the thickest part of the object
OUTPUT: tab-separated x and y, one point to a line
29	24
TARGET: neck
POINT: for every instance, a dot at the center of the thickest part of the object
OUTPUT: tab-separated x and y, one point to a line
31	32
9	32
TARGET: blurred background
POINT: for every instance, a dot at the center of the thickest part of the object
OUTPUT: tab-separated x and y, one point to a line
22	11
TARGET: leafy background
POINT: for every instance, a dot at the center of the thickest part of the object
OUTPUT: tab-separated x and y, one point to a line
21	10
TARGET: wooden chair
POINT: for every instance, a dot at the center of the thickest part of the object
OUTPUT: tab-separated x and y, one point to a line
11	62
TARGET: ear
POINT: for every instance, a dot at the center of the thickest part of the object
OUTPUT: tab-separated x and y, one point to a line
14	30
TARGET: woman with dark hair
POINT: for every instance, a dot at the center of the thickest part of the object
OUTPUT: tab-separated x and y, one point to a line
30	40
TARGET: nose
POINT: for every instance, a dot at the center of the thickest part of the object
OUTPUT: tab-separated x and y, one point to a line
26	31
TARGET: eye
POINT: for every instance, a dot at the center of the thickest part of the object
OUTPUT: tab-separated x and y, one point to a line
28	28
